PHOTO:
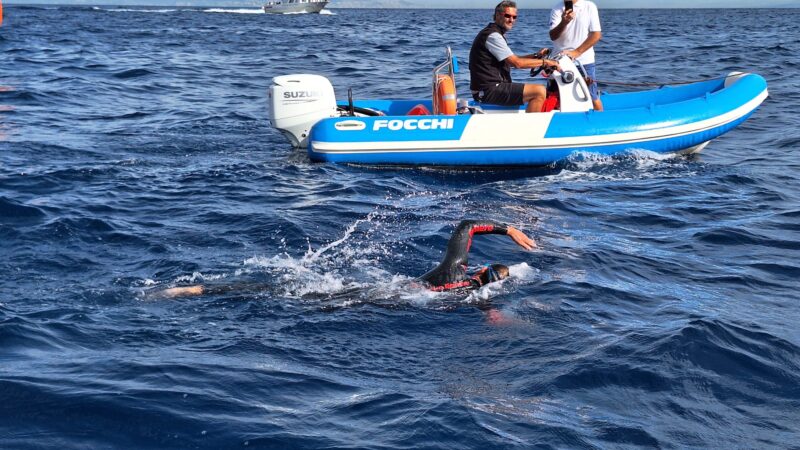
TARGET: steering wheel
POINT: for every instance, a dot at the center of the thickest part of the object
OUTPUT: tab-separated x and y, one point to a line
547	71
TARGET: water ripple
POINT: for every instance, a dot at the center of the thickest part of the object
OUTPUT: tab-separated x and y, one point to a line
135	155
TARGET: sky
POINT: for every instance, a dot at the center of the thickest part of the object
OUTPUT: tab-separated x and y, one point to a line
473	4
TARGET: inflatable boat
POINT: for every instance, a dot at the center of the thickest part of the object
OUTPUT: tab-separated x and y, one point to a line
444	130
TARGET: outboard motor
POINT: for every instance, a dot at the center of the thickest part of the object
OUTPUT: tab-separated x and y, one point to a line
299	101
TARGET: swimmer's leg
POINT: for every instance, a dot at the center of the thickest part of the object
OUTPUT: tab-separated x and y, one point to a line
184	291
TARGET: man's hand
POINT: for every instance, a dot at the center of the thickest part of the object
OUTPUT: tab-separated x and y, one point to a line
521	239
574	54
541	53
566	18
551	65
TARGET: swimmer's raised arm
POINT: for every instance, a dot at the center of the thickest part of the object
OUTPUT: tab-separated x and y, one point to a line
520	238
461	240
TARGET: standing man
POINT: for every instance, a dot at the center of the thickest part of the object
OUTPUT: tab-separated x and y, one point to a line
490	60
574	31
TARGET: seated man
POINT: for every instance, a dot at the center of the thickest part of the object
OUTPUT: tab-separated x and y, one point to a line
451	273
490	60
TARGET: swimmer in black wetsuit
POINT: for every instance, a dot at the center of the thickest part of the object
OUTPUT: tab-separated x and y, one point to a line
450	274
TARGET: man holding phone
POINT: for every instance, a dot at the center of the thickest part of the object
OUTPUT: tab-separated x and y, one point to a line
490	60
575	29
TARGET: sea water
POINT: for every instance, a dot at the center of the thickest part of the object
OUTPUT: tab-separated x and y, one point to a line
660	310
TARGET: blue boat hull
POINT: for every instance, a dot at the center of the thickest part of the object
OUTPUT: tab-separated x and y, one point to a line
670	119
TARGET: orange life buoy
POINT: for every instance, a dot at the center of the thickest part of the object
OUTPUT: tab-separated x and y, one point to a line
445	95
1	12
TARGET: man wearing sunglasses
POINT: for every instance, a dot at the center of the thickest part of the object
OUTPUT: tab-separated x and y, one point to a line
491	59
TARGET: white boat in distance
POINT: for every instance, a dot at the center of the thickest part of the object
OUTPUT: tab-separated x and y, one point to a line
294	6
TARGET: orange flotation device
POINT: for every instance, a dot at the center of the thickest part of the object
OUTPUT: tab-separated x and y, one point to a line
445	99
1	12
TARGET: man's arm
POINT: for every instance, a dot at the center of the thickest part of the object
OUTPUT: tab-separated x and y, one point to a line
521	62
520	238
473	227
566	18
538	55
593	38
461	240
498	47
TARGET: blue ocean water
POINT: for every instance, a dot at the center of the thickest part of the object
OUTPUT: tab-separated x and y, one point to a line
661	309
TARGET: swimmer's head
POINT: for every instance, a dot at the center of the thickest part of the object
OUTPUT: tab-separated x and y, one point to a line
495	272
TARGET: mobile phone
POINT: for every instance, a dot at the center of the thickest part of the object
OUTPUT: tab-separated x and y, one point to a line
567	5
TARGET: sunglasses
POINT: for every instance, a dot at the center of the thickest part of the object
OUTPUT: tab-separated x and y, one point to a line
509	16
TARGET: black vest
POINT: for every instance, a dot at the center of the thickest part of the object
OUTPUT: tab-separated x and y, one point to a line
484	69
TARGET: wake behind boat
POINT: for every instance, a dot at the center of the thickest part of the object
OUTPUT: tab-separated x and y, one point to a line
671	119
294	6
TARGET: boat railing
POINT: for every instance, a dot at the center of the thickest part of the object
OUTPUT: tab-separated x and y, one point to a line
451	64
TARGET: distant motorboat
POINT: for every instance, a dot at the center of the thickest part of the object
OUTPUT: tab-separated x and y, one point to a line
294	6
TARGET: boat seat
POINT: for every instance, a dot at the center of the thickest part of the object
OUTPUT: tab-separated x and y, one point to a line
550	103
418	110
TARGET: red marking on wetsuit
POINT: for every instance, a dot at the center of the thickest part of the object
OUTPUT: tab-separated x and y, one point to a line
478	229
449	286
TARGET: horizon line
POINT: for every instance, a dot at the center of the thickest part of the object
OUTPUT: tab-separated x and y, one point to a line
56	3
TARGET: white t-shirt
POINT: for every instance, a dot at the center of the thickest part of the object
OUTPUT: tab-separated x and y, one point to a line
586	20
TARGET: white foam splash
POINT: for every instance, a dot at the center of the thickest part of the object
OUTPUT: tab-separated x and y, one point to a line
630	165
517	273
298	277
199	277
523	271
312	256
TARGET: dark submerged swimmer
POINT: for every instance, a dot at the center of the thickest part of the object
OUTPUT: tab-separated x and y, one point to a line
450	274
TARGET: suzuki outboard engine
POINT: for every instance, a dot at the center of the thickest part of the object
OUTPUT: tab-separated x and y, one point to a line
299	101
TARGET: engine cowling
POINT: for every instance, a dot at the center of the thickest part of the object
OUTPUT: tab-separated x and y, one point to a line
299	101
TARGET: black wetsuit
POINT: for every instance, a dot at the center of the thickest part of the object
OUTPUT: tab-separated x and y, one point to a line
451	273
